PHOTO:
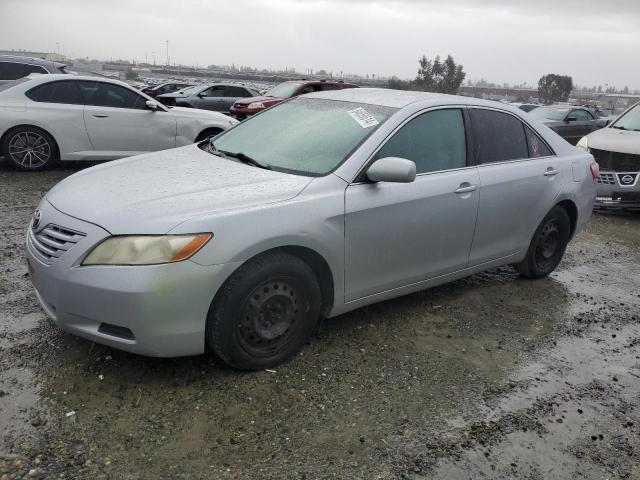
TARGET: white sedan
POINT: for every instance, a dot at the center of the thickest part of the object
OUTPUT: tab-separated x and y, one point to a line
46	118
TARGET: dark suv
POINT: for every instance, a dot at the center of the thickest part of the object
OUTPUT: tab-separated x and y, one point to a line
13	68
250	106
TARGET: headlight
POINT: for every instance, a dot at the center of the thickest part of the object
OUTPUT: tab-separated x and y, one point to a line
256	105
146	249
583	143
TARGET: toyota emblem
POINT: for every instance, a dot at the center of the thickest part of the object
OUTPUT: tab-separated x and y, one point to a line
37	216
627	179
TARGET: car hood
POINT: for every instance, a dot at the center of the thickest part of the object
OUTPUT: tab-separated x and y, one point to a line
190	113
614	140
263	99
155	192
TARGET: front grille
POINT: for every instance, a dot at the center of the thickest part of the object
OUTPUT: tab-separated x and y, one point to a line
606	178
53	241
619	162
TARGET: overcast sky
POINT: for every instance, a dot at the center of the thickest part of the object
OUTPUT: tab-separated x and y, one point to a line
514	41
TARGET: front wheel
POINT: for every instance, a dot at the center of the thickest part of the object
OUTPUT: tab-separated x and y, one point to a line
265	312
547	246
208	134
29	148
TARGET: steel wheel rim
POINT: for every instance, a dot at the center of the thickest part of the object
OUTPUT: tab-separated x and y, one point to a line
548	243
269	316
29	149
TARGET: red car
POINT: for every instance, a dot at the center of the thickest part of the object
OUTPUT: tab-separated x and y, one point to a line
250	106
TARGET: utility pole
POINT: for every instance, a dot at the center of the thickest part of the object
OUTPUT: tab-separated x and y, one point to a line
167	42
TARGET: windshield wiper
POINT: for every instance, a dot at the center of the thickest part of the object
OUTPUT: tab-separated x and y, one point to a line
238	156
619	127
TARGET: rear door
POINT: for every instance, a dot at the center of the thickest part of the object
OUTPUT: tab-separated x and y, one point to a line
520	179
397	234
120	124
60	106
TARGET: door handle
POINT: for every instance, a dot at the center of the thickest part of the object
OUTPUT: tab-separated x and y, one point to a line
551	172
466	188
100	115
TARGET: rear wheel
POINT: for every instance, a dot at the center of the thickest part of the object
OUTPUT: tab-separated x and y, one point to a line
265	312
547	245
29	148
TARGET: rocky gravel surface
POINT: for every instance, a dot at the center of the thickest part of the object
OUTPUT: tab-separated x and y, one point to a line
491	377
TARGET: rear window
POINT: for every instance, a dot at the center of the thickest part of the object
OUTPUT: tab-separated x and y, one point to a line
12	83
64	91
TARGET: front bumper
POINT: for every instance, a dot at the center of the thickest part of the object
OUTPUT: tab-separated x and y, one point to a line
156	310
613	193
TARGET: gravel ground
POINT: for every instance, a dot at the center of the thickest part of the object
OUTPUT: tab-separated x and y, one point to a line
492	377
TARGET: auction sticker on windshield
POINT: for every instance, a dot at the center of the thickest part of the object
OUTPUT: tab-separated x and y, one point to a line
364	118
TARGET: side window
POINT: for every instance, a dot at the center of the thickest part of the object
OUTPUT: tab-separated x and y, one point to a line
65	91
235	92
307	89
214	92
34	69
581	115
328	86
537	148
12	71
109	95
434	141
498	136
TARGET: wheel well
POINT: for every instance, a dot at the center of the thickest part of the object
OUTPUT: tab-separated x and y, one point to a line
207	131
16	127
572	211
320	268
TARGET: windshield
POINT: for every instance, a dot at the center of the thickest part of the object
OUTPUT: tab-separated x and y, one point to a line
306	136
548	113
630	120
284	90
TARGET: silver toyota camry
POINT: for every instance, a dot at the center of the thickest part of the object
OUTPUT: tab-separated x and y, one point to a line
315	207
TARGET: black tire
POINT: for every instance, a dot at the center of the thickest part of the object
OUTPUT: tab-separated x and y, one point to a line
547	246
265	312
208	134
30	148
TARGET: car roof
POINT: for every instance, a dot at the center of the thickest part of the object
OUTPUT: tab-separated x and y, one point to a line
31	60
387	97
37	78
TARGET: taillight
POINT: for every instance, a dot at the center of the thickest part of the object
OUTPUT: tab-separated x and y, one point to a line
595	170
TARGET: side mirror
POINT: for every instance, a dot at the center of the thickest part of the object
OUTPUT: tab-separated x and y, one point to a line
200	95
151	105
392	169
571	119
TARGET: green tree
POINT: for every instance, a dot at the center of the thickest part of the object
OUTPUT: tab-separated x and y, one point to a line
131	75
397	84
439	76
554	88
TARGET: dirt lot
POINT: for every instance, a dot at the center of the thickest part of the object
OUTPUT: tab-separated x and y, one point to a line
489	377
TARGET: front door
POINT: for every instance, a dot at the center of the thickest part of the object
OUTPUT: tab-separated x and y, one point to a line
120	124
397	234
